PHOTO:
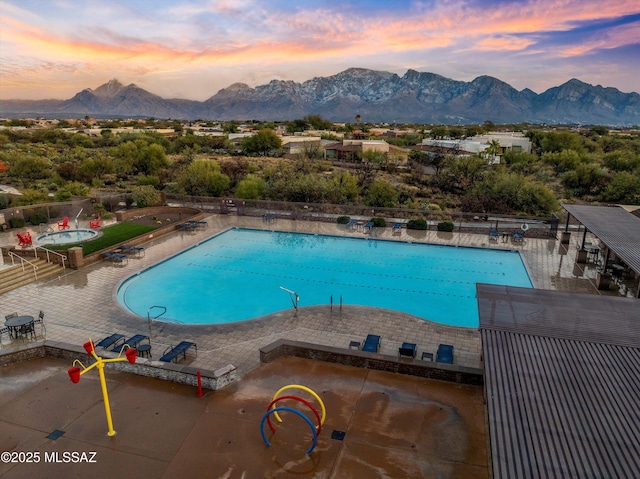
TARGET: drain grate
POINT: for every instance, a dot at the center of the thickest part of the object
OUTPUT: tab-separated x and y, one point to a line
55	434
338	435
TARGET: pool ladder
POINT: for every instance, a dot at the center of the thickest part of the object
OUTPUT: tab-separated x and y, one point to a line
164	310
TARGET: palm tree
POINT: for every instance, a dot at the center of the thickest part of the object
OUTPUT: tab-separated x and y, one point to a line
492	150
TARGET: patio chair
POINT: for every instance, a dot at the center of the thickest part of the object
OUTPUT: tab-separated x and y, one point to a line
95	224
172	352
64	224
10	315
371	343
132	342
517	237
397	228
351	224
444	354
25	239
110	341
40	321
368	226
494	235
3	332
408	349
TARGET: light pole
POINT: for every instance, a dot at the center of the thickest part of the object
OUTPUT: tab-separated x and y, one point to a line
75	372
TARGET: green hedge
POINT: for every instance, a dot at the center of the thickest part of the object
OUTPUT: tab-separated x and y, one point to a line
446	226
379	222
16	223
418	224
343	220
38	218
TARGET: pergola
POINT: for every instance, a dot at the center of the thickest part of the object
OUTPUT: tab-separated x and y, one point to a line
618	229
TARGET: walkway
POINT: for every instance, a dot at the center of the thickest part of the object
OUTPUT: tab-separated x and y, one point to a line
81	304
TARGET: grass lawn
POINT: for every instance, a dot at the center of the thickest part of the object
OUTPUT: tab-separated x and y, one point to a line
111	235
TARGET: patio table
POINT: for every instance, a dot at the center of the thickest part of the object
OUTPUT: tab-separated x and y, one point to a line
15	324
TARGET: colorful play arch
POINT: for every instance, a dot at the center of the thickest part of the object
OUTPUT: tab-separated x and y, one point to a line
272	409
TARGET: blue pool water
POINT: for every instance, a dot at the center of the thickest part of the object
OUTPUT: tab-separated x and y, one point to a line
238	275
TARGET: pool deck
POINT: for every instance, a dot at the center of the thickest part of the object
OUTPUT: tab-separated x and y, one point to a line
82	304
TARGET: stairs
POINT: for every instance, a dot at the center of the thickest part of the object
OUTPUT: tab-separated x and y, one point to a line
13	277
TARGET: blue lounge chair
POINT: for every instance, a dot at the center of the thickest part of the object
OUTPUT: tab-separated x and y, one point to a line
408	349
517	237
172	352
115	257
397	228
188	227
133	341
444	354
351	224
494	235
371	344
133	250
367	226
109	341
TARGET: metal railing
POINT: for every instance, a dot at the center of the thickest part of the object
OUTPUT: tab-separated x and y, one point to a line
62	257
12	255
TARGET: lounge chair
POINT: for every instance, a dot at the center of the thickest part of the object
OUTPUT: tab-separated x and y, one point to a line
94	224
368	226
188	227
397	228
64	225
132	250
351	224
517	237
444	354
199	224
133	341
494	235
172	352
371	343
408	349
110	341
115	257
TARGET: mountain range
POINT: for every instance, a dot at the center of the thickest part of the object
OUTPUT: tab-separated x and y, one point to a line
376	96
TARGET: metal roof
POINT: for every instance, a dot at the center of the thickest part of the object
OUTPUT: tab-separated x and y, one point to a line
615	227
562	383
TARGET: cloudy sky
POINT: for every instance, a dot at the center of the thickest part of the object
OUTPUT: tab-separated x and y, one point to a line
193	48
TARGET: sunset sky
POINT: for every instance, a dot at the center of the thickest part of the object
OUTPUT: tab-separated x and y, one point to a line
193	48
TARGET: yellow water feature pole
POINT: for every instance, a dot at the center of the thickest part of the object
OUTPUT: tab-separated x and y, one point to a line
75	372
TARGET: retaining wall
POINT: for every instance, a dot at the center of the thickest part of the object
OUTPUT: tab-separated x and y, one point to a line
360	359
213	380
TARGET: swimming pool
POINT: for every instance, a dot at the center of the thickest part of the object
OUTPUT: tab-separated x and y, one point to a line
238	275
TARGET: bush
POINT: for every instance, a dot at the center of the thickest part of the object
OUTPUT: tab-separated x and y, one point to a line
38	218
146	196
379	222
343	220
16	222
418	224
446	226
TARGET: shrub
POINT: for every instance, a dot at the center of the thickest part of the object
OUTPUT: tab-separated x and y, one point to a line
418	224
446	226
379	222
16	222
146	196
38	218
343	220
